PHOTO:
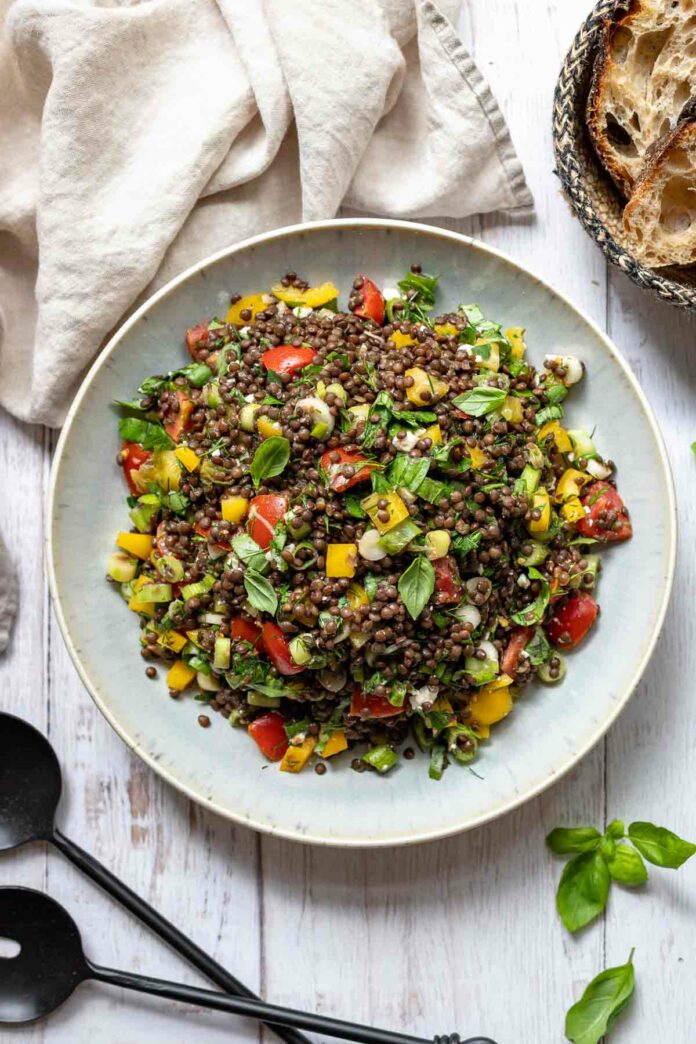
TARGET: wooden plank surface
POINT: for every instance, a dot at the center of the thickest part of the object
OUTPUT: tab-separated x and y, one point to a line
454	935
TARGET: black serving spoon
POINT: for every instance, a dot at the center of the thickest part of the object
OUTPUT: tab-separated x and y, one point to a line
51	964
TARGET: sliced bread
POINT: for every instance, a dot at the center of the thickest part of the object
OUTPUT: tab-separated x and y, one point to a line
660	219
644	75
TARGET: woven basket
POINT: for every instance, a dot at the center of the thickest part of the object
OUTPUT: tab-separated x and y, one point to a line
593	196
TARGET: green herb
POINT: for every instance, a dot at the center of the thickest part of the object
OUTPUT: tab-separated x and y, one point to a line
150	436
248	552
294	728
270	459
416	585
432	490
273	378
549	413
601	1004
532	614
407	471
538	649
626	866
555	393
583	890
260	592
566	840
438	761
464	544
419	288
480	401
659	845
351	503
399	537
417	417
175	501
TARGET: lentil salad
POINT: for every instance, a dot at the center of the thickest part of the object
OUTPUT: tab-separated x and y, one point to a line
359	527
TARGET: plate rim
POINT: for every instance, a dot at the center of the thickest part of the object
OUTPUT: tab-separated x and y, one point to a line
412	837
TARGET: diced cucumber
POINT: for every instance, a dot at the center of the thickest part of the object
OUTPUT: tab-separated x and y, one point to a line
153	593
121	568
583	446
555	663
382	758
222	653
528	480
537	555
259	699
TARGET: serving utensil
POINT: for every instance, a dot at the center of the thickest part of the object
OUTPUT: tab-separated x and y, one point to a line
51	964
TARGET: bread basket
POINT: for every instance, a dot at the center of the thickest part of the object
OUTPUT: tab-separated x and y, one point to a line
592	194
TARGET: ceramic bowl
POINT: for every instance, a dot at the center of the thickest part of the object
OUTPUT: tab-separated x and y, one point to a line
550	728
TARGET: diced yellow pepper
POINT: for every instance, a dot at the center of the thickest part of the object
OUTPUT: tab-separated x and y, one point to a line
313	297
193	638
491	703
335	744
341	560
478	457
356	595
573	510
267	428
188	458
253	302
512	410
493	360
401	340
515	336
137	544
395	508
172	640
560	436
570	484
425	389
482	731
434	432
446	329
180	676
295	758
234	509
541	502
148	608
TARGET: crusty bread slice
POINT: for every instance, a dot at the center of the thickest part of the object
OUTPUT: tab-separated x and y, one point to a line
660	219
644	75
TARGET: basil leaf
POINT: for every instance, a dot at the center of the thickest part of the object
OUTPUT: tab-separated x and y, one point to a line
548	413
481	400
538	648
259	592
270	459
616	829
419	288
432	491
248	552
583	890
150	436
351	502
414	416
555	393
416	585
601	1004
627	866
659	845
407	471
533	613
563	840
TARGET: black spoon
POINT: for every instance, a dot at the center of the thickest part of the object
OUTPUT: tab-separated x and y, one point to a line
51	964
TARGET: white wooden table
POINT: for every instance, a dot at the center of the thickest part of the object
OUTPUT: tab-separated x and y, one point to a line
460	934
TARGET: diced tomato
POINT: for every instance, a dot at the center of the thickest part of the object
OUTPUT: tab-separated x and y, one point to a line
572	620
180	423
339	482
194	336
133	456
245	629
276	645
599	498
518	640
448	584
268	732
372	306
265	512
286	358
377	706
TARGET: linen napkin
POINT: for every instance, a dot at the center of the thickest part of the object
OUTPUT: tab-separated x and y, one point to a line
136	138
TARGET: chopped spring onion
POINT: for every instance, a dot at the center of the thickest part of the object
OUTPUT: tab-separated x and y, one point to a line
121	568
468	613
199	588
222	653
370	546
213	618
170	568
207	682
438	761
153	593
259	699
300	650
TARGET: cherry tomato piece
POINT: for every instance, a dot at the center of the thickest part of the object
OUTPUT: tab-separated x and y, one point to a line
132	457
265	512
377	706
180	421
195	336
246	630
607	519
572	620
519	638
276	645
448	584
337	480
268	732
286	358
372	306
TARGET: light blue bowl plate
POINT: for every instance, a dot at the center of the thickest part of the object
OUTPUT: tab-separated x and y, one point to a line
550	728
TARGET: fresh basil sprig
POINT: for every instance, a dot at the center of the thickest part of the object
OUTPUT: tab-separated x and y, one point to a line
532	614
270	459
150	436
248	551
416	585
480	401
598	859
601	1004
260	592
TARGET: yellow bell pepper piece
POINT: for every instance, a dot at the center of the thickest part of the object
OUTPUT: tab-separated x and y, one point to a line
446	329
356	595
341	560
335	744
253	302
434	432
180	676
148	608
560	436
234	509
425	389
172	640
295	758
401	340
493	361
313	297
515	337
137	544
395	508
573	510
267	428
491	703
482	731
570	484
193	638
188	458
478	457
541	502
513	410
